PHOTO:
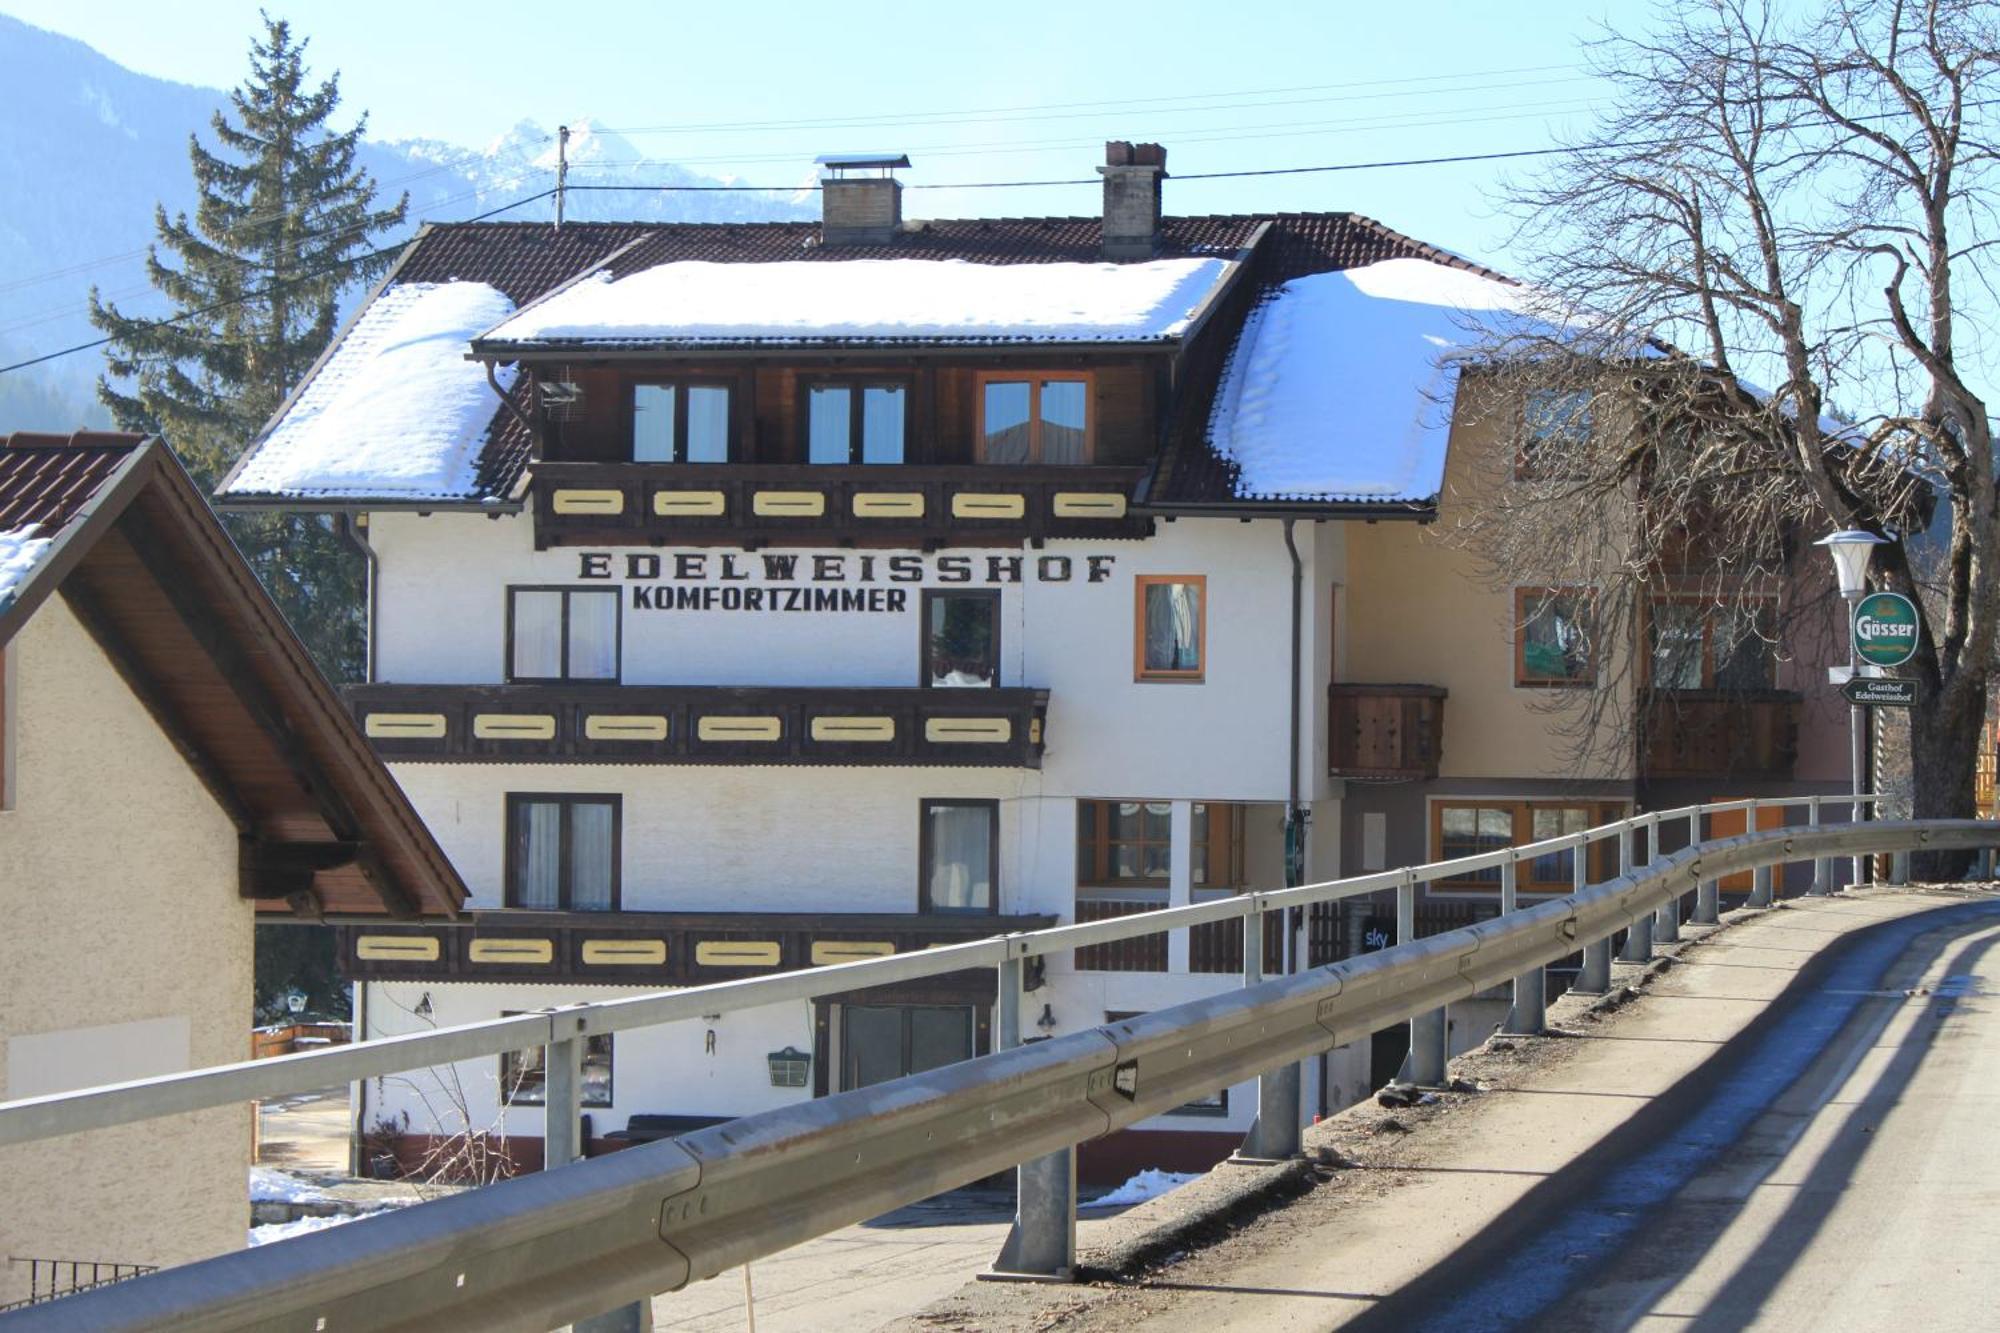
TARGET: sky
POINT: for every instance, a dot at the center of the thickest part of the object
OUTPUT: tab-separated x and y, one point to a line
1026	90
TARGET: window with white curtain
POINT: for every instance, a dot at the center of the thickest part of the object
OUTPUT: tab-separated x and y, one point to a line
562	634
680	422
960	850
856	422
562	852
1172	627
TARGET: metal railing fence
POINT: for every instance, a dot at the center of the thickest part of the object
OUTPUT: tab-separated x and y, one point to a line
538	1251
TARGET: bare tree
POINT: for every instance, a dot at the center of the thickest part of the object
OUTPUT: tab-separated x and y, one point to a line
1803	203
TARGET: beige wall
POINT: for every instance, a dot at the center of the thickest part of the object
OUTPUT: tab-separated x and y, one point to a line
126	953
1415	609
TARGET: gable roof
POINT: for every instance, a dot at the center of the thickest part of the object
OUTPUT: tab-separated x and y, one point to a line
531	263
136	554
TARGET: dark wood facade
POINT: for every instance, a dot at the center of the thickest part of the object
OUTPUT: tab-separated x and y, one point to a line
683	724
1719	734
653	949
1384	731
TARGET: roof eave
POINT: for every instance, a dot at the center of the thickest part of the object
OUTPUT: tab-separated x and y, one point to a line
540	353
314	504
1419	511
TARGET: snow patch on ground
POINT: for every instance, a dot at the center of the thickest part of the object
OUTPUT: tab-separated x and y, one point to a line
1341	385
270	1185
696	301
19	550
271	1231
397	412
1148	1184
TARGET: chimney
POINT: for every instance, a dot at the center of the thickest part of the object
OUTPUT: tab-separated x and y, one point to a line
857	208
1132	175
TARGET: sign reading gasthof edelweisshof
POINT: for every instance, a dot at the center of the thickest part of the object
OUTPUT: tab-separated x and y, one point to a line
1885	629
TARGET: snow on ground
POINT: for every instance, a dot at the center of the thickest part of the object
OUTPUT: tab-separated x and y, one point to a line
271	1231
1148	1184
696	301
397	411
19	550
1341	385
270	1185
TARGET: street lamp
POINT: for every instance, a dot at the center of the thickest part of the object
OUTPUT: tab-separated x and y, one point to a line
1851	551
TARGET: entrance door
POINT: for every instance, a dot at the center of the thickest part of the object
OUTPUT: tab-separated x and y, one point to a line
879	1042
1729	823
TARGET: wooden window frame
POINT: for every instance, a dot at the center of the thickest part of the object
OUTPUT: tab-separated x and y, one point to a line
1225	846
1034	380
680	383
924	808
565	889
1522	680
930	595
507	1077
856	385
1140	672
1522	810
1766	605
567	589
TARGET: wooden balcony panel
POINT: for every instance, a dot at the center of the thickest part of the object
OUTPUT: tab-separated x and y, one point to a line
1146	953
1384	731
1719	734
787	504
654	949
685	724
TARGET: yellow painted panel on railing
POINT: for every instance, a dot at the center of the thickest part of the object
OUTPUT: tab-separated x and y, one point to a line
738	953
514	726
977	504
854	728
588	502
1088	504
689	504
624	953
624	727
405	726
846	951
889	504
740	728
968	730
397	948
511	951
788	504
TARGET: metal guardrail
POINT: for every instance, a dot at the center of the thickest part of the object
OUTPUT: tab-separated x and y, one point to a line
563	1244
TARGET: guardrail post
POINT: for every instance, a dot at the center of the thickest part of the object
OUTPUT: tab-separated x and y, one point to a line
562	1143
1594	978
1822	865
1899	868
1667	920
1424	1067
1708	894
1276	1135
1639	935
1041	1245
1530	1014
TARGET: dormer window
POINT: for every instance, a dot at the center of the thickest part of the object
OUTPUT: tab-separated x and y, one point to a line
856	421
1042	417
680	421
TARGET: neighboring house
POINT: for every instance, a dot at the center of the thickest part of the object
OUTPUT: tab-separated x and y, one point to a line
171	764
827	590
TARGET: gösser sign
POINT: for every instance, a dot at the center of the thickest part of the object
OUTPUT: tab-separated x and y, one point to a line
1885	629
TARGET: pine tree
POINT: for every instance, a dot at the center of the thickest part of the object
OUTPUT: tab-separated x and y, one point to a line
284	225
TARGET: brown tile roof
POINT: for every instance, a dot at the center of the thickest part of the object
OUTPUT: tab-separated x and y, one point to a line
527	259
140	559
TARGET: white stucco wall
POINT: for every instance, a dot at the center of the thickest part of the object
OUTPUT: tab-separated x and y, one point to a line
126	953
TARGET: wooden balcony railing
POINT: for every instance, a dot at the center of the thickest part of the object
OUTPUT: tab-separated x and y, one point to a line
1719	734
688	724
1213	949
792	504
1384	731
654	948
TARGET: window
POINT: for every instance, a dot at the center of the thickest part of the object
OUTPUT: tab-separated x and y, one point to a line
683	421
1034	418
524	1074
960	843
1468	828
1552	637
1171	625
1696	645
1130	843
856	423
1554	421
961	644
562	634
562	853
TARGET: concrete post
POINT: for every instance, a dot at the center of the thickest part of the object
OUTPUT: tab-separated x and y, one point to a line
1425	1065
1707	894
1823	865
1595	976
1667	919
1041	1245
1639	937
1529	1016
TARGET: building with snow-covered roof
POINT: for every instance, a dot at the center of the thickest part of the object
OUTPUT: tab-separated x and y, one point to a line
804	592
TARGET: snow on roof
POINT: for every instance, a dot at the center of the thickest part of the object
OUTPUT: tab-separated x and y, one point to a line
874	299
20	549
1341	384
396	412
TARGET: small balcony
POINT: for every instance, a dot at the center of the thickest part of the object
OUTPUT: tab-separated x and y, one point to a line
1384	731
686	724
1719	734
651	948
788	504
